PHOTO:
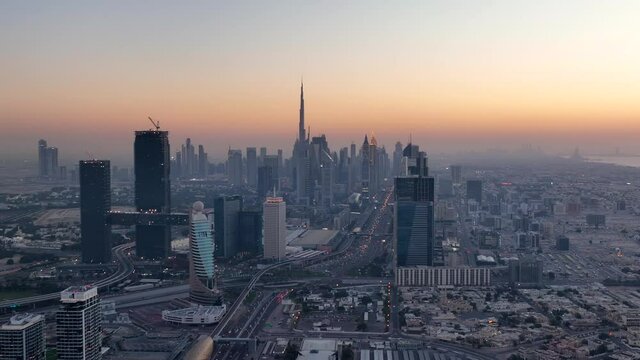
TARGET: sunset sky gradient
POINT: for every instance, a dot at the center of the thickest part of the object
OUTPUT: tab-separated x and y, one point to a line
456	74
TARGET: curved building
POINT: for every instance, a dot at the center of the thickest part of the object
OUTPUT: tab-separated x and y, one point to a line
201	262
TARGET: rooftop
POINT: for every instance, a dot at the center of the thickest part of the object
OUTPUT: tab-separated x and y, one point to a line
78	293
314	238
21	321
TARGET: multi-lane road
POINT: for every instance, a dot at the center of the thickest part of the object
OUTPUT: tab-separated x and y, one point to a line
125	268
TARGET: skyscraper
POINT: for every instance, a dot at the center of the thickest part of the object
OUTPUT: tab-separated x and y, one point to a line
234	167
274	211
226	216
203	163
365	171
95	202
456	174
474	190
250	232
272	162
374	167
301	165
42	166
79	324
252	167
23	338
202	280
152	191
51	162
414	221
263	153
265	180
414	238
397	159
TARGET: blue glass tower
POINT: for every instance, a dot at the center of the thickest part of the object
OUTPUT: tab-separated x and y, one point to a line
202	278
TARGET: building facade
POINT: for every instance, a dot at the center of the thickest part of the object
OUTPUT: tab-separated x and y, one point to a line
95	202
202	279
414	221
23	338
226	216
79	324
274	212
152	191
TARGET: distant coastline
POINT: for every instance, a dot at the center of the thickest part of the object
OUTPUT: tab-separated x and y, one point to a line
623	160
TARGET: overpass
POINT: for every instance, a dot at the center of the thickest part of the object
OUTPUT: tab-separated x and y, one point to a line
125	268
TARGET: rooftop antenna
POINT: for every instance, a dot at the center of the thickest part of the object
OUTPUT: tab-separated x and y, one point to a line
156	124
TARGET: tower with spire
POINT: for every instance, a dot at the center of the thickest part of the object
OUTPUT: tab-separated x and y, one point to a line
300	158
301	134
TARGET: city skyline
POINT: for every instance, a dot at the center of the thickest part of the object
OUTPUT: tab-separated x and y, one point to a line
562	76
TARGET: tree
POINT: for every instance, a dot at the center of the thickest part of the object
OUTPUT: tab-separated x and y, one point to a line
347	353
291	352
10	262
361	326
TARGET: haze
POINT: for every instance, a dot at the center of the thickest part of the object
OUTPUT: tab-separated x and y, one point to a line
455	74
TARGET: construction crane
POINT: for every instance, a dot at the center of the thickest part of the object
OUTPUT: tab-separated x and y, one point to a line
155	123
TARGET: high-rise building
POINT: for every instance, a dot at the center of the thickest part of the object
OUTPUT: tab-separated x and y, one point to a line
280	162
272	162
23	338
300	159
47	160
456	174
95	202
265	180
152	191
414	221
374	167
474	190
234	167
263	153
250	232
79	324
274	212
42	165
397	159
226	216
252	167
365	172
202	279
415	161
203	162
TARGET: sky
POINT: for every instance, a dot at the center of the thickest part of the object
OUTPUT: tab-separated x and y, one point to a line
455	74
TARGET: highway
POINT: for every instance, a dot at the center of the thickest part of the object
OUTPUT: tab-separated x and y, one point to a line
125	268
218	330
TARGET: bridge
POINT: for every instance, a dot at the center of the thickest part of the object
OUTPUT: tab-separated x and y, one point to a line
125	268
147	218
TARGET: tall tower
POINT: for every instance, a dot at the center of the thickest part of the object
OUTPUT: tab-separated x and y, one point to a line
152	191
234	167
42	158
274	211
226	216
95	202
202	281
252	166
365	173
301	156
79	324
414	222
301	129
